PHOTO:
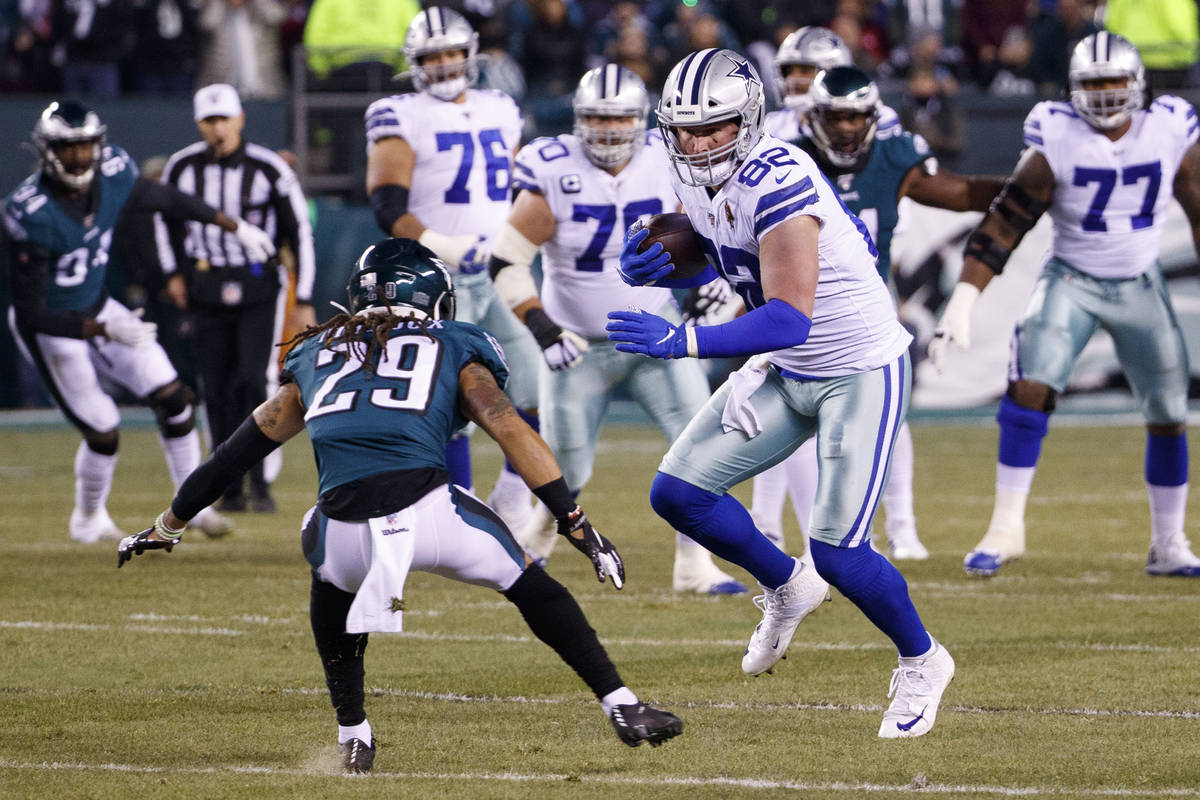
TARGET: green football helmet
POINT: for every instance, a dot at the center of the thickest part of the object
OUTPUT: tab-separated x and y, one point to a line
64	123
401	275
844	115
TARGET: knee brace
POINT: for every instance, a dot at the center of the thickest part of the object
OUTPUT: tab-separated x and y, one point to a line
173	412
554	617
102	443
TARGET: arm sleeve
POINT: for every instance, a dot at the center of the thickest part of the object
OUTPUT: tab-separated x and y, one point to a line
246	447
773	326
150	195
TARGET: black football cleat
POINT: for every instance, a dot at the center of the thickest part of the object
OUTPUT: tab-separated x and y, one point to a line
357	757
638	722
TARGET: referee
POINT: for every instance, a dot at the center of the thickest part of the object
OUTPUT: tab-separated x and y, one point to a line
238	304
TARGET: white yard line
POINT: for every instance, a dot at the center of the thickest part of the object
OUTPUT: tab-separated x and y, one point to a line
917	786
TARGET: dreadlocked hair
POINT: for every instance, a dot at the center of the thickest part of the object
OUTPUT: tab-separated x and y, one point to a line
348	333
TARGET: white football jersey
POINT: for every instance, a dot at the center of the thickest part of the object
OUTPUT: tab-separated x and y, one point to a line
592	211
460	181
854	325
785	124
1111	198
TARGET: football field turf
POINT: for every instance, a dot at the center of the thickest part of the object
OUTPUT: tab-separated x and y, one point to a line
193	674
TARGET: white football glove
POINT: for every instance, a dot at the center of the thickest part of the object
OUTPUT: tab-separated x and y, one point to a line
566	352
130	329
462	252
955	323
259	246
713	303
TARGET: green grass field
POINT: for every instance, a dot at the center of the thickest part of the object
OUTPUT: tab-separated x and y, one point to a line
192	674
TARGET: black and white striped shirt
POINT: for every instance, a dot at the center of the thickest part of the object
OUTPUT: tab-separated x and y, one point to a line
253	183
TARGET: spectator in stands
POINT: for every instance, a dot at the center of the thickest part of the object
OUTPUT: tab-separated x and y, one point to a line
90	42
1012	65
928	109
1055	34
858	23
695	28
241	46
984	25
552	52
345	36
1166	32
168	43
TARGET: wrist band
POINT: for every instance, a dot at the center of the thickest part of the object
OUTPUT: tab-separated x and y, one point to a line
163	530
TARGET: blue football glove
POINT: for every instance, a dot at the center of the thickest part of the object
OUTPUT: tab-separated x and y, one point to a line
646	334
643	269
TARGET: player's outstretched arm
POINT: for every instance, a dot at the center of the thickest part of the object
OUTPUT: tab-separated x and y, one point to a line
483	402
274	422
949	190
1025	197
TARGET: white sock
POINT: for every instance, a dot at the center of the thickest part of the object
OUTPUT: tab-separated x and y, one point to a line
93	478
898	494
618	697
690	555
1009	510
1167	507
361	731
801	469
770	492
183	455
1015	479
510	484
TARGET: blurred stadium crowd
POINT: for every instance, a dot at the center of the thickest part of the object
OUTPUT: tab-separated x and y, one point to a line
927	50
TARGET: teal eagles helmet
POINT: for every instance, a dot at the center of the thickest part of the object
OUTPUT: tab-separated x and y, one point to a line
399	276
63	123
843	90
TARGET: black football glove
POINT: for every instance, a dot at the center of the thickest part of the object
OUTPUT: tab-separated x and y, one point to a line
603	555
139	543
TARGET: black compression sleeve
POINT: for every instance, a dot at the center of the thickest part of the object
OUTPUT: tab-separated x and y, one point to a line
151	195
557	497
228	463
390	203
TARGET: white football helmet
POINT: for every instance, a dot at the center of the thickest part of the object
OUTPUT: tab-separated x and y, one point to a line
811	46
711	86
62	123
610	91
437	30
1106	55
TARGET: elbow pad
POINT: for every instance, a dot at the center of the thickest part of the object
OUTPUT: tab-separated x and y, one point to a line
509	267
1017	208
390	203
988	251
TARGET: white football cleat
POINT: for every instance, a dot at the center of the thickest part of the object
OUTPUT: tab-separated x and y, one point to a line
997	547
539	536
1173	557
917	687
94	527
904	545
783	610
213	523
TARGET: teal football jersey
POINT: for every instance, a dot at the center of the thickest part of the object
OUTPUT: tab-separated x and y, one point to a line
79	250
399	416
872	194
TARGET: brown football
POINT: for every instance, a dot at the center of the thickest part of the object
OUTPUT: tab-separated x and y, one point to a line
675	233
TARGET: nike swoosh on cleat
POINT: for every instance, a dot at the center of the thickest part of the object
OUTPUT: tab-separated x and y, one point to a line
907	726
776	645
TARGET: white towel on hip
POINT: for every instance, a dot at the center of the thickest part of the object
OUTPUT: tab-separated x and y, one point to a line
379	602
739	413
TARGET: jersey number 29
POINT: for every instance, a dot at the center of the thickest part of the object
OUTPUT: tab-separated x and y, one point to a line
407	374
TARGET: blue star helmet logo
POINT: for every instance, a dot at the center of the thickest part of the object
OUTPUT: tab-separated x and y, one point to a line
741	69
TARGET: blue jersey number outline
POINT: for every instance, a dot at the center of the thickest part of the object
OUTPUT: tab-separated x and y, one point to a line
591	259
1106	180
757	169
496	163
